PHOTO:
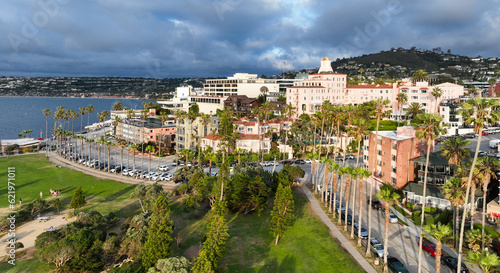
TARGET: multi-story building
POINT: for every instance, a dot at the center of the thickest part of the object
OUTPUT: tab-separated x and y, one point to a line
247	142
241	104
494	90
308	96
394	152
189	133
142	131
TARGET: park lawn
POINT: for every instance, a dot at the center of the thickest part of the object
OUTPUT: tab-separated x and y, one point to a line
306	247
34	173
31	265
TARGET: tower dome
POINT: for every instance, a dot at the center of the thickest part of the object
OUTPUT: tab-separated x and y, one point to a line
326	66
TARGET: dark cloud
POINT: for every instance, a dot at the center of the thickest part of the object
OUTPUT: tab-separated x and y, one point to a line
218	38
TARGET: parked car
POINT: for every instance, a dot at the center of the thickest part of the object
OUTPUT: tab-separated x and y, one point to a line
470	135
392	217
377	248
375	203
349	217
395	265
484	133
285	162
452	263
350	156
163	168
428	247
300	162
364	233
308	161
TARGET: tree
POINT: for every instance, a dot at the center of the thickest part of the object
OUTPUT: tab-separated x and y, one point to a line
389	195
414	109
82	112
420	76
486	169
78	199
56	203
117	106
428	128
247	193
485	260
282	212
380	110
439	232
455	193
456	150
159	236
483	112
402	98
90	110
171	265
46	113
215	243
147	194
437	93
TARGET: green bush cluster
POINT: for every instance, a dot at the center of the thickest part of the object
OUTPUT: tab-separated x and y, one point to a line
489	231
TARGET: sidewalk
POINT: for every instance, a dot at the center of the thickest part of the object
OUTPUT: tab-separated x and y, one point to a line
334	231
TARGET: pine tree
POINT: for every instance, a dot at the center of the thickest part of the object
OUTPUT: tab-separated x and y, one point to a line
78	199
56	203
159	236
282	212
216	240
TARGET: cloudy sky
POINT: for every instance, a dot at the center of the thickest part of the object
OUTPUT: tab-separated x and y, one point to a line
189	38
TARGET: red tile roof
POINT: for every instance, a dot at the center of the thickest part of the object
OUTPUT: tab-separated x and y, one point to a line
366	86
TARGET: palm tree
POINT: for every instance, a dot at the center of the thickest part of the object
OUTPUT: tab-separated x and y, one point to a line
483	112
150	149
389	195
402	98
455	193
312	156
290	112
186	153
380	109
486	169
456	150
121	144
429	128
333	168
414	109
163	119
90	110
204	120
420	76
109	144
342	171
210	155
361	174
437	93
82	112
117	106
46	113
439	232
485	260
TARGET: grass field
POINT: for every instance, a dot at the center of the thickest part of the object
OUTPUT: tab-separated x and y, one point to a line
35	174
306	247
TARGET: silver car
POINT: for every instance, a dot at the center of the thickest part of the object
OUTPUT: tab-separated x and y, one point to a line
377	248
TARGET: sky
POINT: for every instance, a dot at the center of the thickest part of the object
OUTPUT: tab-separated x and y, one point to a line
205	38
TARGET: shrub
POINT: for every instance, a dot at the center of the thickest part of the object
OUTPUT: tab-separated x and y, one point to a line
489	231
267	157
410	206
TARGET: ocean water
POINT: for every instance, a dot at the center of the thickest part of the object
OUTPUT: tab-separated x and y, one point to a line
25	113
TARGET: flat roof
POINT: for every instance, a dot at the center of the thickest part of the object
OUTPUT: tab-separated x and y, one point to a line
392	135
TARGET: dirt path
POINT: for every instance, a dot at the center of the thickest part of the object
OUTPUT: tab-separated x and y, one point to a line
28	232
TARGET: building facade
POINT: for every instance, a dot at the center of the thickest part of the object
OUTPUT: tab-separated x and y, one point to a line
394	152
190	133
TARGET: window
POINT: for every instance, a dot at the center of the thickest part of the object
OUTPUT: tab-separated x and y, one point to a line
379	152
423	91
394	169
393	180
393	158
422	142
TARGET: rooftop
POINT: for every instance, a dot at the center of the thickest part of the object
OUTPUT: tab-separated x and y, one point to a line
392	135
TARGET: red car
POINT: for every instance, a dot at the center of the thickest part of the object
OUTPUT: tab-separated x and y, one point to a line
485	133
429	247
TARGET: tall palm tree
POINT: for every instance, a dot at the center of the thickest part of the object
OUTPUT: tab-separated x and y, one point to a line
109	144
456	150
204	121
121	144
420	76
484	112
333	168
402	98
290	112
46	113
486	169
439	232
454	192
380	110
163	119
82	112
414	109
361	174
150	149
437	93
342	171
389	195
429	128
90	110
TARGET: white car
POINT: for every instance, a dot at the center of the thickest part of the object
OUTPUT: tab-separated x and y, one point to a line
163	168
392	217
308	161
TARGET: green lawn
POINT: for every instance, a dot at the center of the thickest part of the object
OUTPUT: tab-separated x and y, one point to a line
34	173
306	247
32	265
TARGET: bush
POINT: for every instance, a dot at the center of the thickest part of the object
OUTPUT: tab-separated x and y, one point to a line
267	157
489	231
431	211
410	206
255	157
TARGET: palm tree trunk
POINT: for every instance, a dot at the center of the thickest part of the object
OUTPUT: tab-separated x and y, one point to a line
469	179
347	191
334	200
121	159
485	192
313	170
367	253
386	236
325	184
473	204
423	206
438	256
340	202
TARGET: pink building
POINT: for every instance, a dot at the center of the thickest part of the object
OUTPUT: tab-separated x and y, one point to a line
308	96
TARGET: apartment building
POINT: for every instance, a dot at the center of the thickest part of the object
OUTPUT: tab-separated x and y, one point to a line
247	142
241	104
189	133
142	131
394	152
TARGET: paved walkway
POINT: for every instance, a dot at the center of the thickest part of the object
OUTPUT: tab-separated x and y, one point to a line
334	231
